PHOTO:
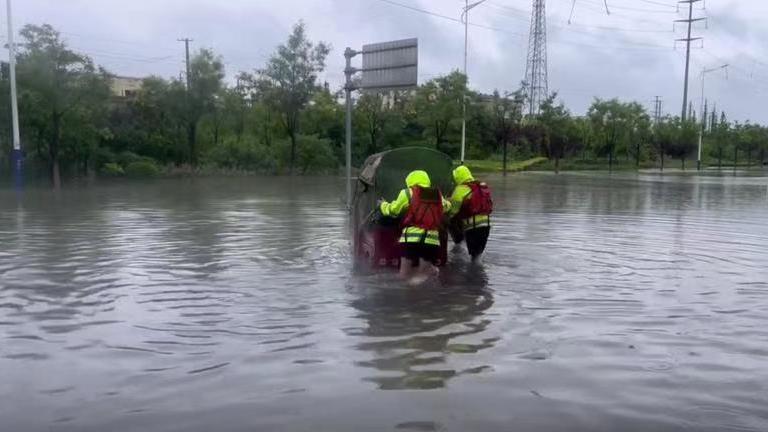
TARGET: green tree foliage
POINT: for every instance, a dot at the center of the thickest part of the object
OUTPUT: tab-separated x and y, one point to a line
371	117
559	133
204	96
438	104
289	80
619	128
280	119
664	137
685	142
718	139
507	113
324	118
154	123
63	97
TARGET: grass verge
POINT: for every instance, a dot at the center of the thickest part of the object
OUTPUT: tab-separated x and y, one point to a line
490	166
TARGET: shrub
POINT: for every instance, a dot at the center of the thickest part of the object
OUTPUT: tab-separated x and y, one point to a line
313	155
104	156
247	154
112	169
142	169
126	158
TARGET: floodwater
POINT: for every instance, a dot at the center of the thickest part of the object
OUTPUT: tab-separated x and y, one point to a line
605	303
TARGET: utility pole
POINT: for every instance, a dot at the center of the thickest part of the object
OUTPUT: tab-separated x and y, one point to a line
657	110
186	50
16	157
688	41
704	73
536	79
465	19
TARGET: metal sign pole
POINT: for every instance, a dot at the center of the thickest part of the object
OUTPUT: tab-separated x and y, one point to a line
348	87
387	65
16	157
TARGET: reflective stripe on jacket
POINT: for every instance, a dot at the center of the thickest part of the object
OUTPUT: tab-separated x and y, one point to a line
461	194
411	234
477	221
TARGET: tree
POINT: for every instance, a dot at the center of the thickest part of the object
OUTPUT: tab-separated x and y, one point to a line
60	92
556	120
289	80
438	104
663	137
686	135
371	118
638	125
619	126
205	82
156	122
507	113
324	117
762	143
582	129
605	119
718	139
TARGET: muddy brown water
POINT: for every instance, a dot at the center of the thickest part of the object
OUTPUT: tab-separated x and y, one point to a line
632	302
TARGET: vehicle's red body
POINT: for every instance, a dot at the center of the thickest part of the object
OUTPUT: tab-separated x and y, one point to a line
378	246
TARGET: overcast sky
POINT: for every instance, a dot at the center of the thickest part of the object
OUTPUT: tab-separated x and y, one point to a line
629	53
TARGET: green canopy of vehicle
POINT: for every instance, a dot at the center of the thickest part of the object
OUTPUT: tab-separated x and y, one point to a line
383	176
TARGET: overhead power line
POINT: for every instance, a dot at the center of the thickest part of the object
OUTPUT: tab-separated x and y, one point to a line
658	3
555	41
602	6
445	17
508	12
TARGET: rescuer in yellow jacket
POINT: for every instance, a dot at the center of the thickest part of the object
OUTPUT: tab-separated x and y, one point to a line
471	207
422	208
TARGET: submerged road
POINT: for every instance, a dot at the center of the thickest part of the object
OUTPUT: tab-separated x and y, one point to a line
635	302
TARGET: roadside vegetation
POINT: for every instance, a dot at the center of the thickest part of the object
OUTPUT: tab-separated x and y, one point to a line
280	118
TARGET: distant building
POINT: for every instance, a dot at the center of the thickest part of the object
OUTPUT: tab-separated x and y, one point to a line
125	87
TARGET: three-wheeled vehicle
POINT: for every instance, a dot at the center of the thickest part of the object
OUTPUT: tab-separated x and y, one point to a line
375	237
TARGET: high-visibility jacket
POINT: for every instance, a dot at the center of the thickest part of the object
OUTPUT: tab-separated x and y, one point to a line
462	193
399	207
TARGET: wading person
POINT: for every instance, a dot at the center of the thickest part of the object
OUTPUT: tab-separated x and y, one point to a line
422	207
471	207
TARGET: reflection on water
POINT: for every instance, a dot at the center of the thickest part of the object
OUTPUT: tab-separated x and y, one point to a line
410	332
625	302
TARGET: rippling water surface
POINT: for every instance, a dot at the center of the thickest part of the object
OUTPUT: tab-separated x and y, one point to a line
632	303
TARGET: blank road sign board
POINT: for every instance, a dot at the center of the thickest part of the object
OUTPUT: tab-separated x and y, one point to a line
390	65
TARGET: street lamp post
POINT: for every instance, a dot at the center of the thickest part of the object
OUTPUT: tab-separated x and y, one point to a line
465	18
704	72
16	158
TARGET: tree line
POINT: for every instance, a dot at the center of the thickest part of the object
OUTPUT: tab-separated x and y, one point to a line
281	118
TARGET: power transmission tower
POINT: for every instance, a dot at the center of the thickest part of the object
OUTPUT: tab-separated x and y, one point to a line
536	81
688	41
186	50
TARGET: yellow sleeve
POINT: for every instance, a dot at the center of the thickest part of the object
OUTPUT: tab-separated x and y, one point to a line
460	193
447	206
396	207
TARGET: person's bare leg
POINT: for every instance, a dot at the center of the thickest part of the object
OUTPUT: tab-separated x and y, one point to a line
406	268
418	275
427	268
